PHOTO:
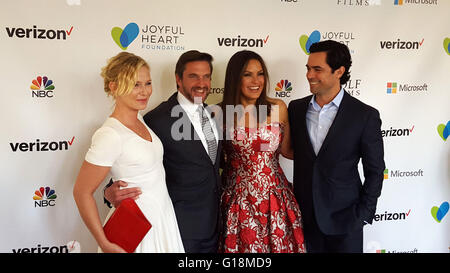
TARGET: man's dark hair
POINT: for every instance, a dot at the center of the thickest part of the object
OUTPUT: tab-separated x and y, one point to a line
338	55
191	56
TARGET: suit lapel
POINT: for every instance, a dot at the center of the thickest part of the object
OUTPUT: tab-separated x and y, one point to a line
304	110
194	142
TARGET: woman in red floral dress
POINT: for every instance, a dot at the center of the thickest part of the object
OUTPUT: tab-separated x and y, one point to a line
260	213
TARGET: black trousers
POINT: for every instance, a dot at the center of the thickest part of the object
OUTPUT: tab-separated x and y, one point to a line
318	242
209	245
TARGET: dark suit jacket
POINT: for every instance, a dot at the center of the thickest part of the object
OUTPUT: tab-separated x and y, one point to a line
192	180
328	185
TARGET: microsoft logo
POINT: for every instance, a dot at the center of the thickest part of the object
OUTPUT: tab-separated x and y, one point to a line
417	2
394	88
391	87
400	173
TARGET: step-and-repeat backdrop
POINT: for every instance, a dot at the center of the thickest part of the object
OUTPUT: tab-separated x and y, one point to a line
53	99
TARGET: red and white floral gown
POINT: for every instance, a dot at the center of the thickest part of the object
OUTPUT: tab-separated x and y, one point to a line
258	206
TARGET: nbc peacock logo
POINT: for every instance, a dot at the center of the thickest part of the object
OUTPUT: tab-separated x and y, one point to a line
42	87
283	89
44	197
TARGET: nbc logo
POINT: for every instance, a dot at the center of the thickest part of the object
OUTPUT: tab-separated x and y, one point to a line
124	37
283	89
386	174
42	87
398	2
44	197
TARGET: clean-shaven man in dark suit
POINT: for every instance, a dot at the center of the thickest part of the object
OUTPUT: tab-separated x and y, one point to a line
191	161
330	132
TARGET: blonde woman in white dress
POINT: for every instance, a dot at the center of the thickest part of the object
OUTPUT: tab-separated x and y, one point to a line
128	150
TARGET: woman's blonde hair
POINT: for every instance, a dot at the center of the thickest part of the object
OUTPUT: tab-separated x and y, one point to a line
122	70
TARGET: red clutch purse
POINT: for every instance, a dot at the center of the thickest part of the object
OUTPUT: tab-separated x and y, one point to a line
127	226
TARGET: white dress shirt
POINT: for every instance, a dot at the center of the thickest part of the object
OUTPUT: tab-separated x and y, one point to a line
191	109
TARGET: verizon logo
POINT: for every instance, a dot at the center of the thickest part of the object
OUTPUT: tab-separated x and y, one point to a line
41	146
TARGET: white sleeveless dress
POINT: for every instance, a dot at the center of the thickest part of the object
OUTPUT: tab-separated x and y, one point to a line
139	162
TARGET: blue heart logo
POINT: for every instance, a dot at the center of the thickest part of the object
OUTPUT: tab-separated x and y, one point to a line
306	41
124	37
444	130
439	213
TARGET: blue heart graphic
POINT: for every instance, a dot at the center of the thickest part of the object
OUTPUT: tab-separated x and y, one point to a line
447	130
130	32
314	37
443	209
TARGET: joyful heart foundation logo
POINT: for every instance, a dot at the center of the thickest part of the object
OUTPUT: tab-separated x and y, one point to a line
447	45
444	130
306	41
124	37
438	213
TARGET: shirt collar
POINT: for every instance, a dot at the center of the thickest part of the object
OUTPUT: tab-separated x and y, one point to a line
187	105
336	101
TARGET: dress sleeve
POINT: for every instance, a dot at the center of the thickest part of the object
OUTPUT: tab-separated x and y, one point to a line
105	147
